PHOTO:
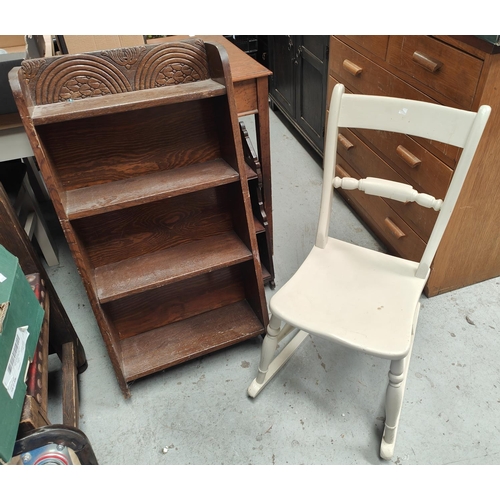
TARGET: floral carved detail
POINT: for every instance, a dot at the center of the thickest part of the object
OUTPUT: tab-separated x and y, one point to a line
81	76
81	87
31	67
175	73
125	57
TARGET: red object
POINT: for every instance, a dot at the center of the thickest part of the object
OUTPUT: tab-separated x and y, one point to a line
37	287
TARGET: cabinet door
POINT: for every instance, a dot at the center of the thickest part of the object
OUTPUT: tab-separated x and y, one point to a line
281	59
312	71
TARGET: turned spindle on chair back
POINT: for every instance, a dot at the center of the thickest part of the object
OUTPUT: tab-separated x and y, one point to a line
421	119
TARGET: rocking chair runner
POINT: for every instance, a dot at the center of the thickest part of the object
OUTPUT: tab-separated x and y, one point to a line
355	296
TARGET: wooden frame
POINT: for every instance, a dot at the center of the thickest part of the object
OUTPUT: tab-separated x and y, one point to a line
141	152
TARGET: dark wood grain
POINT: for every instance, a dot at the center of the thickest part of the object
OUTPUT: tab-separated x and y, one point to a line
141	152
182	341
256	186
70	393
131	232
152	270
102	198
98	150
119	103
251	92
103	73
178	301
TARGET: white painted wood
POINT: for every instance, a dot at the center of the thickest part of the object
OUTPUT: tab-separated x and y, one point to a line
388	189
354	296
275	366
394	398
418	118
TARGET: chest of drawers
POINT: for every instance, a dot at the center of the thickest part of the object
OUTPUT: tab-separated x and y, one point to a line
461	72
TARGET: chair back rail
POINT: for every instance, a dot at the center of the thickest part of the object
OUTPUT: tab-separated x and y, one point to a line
453	126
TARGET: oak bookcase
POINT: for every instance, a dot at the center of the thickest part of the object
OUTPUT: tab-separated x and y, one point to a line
141	152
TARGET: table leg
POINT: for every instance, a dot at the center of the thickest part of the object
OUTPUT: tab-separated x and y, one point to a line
264	149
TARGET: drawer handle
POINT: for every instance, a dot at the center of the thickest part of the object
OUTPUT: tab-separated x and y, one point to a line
393	228
345	142
352	68
426	62
409	158
341	171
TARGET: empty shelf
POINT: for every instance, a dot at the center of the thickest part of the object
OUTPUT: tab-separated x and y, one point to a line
138	274
126	101
102	198
163	347
259	228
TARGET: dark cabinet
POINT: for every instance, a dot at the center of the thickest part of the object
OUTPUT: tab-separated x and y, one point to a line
298	85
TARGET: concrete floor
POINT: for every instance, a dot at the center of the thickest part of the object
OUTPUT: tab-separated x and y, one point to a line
326	405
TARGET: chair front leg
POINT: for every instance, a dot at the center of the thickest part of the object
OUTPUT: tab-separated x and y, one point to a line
267	366
393	404
398	374
269	346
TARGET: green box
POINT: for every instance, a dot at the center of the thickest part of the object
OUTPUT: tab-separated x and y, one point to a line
21	317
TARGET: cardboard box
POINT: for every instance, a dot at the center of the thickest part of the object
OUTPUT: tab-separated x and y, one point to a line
76	44
13	43
21	317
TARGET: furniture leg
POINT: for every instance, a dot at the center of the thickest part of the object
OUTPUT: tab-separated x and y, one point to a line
393	403
268	367
264	150
70	385
398	375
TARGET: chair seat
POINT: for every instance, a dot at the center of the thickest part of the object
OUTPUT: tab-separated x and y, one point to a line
355	296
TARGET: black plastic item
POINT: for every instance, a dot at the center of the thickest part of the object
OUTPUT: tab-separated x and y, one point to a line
7	62
247	43
63	435
493	39
12	173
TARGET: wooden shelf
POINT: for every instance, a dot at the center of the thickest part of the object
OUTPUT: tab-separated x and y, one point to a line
259	228
102	198
127	101
132	276
251	174
150	188
185	340
266	275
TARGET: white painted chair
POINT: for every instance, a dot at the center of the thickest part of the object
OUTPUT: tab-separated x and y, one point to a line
357	297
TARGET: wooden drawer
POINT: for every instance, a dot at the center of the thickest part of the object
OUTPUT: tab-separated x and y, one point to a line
467	77
385	222
376	44
429	152
366	77
420	168
368	164
444	69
